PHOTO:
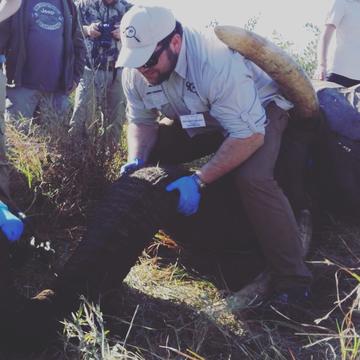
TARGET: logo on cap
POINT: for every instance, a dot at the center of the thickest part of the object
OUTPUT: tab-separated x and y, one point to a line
130	32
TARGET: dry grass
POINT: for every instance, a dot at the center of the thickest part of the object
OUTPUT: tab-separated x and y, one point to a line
164	310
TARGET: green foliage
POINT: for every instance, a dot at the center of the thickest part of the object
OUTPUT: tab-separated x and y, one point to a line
28	155
86	337
250	25
307	58
212	24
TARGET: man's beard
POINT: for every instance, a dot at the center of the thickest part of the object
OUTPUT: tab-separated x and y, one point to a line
173	58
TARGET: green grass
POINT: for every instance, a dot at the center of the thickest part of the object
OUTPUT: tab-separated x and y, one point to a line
28	155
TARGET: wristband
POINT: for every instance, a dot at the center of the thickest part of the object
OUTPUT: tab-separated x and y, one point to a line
199	182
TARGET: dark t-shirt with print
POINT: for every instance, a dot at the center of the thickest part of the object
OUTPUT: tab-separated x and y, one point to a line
45	45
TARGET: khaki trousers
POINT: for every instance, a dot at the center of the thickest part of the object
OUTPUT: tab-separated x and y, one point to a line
99	89
265	204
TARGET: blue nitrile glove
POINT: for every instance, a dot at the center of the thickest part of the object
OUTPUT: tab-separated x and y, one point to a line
11	225
189	194
131	165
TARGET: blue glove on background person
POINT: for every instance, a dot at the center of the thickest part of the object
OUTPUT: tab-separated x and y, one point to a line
11	225
131	165
189	191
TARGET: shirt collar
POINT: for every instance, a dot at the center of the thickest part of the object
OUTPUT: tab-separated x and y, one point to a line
181	66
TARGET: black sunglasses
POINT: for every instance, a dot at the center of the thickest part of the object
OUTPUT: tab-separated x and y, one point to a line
154	58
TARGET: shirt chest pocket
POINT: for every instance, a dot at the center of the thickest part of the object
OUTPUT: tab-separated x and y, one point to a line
194	104
155	99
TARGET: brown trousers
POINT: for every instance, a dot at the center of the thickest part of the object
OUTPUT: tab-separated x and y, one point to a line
266	205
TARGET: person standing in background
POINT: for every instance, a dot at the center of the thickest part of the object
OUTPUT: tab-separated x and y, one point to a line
343	19
45	56
100	85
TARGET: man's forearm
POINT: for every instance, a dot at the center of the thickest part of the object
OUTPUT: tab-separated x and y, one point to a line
141	140
323	47
232	153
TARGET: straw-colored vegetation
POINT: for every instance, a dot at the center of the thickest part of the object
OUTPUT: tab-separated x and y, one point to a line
164	311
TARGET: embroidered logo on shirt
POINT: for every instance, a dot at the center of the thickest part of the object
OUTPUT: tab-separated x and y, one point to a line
130	32
47	16
191	87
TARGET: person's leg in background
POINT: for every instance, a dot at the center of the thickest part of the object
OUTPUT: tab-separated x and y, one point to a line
54	109
116	109
83	115
21	103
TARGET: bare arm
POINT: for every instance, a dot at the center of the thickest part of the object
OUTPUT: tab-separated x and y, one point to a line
231	154
323	48
141	140
8	8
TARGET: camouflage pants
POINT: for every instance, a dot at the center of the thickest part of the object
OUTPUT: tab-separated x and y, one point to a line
99	89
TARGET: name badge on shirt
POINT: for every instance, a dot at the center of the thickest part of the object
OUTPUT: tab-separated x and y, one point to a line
192	121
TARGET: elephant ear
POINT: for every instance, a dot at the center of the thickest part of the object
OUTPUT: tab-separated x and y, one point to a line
294	84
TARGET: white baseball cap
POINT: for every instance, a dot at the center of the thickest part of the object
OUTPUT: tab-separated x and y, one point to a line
8	8
141	28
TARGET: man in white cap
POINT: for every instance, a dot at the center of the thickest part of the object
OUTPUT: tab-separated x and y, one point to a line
214	101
